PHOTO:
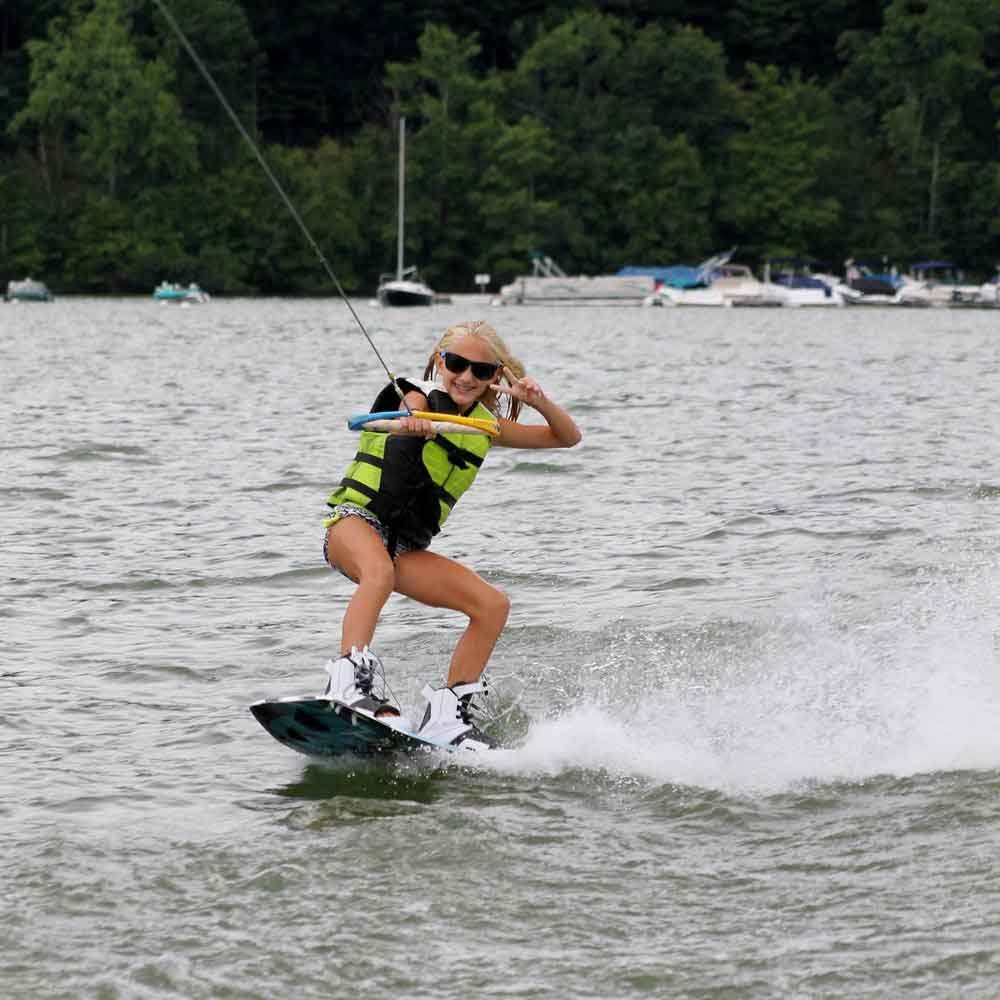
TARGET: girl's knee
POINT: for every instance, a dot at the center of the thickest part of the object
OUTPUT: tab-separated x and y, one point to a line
378	576
495	607
503	604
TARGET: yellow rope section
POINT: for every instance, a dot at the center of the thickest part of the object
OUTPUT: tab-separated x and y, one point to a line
490	427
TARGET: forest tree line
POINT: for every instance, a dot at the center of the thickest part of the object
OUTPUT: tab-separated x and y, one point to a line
617	133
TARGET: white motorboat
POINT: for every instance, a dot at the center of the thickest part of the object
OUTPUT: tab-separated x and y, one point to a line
989	293
27	290
681	285
801	287
737	284
667	295
938	283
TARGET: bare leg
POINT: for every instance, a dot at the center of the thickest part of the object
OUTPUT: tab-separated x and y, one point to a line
441	582
355	546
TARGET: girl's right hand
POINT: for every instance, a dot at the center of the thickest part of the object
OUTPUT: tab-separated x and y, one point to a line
525	389
417	427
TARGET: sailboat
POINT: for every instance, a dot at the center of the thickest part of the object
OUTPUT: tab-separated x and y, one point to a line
404	288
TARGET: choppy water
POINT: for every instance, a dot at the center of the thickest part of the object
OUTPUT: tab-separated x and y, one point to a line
754	628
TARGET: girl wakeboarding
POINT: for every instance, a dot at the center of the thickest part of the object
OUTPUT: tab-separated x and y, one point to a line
396	495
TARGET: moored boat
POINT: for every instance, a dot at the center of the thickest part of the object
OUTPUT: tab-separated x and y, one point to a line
548	284
192	294
681	285
800	285
865	286
404	288
938	283
989	293
27	290
738	286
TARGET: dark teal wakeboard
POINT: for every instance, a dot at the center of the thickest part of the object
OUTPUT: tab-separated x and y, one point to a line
320	727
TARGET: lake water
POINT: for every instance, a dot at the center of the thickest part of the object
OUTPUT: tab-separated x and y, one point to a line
751	666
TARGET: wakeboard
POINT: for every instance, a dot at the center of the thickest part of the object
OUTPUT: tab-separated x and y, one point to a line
321	727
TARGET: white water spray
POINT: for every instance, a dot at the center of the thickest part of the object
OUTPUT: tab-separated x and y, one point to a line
809	699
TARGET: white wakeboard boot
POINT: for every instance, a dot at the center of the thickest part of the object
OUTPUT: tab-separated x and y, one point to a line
350	683
447	720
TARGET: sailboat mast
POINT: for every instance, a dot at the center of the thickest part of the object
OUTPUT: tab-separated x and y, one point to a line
401	207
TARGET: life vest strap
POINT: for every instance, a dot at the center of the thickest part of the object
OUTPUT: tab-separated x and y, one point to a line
445	497
460	457
360	487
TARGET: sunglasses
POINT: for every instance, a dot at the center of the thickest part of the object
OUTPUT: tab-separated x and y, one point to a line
456	364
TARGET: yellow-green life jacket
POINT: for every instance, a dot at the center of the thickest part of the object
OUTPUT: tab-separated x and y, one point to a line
411	483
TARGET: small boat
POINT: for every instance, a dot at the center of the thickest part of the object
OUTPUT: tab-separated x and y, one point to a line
989	293
682	285
28	290
404	288
548	284
191	294
938	283
865	286
738	286
801	286
702	296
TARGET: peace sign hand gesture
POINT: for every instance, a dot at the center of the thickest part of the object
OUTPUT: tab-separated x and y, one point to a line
525	389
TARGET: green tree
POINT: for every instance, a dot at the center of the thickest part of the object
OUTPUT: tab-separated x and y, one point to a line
104	246
664	197
20	20
570	81
676	78
928	64
569	77
450	108
24	217
514	219
332	215
221	35
772	202
92	94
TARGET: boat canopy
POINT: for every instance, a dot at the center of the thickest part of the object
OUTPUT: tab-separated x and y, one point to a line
678	276
931	265
799	281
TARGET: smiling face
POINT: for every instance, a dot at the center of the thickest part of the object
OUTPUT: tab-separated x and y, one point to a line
477	341
463	387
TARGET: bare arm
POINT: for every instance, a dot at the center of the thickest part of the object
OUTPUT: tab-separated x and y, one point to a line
559	430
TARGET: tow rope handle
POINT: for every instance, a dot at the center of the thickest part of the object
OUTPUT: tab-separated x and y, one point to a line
389	422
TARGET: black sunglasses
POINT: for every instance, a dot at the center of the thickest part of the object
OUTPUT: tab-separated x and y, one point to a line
456	364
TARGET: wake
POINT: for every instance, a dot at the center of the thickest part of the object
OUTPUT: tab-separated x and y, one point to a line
807	698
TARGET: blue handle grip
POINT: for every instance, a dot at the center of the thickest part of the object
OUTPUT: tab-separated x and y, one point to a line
356	423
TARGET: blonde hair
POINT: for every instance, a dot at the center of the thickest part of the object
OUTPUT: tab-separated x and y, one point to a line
481	329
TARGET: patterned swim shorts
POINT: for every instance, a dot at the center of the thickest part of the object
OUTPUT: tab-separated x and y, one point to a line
343	510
